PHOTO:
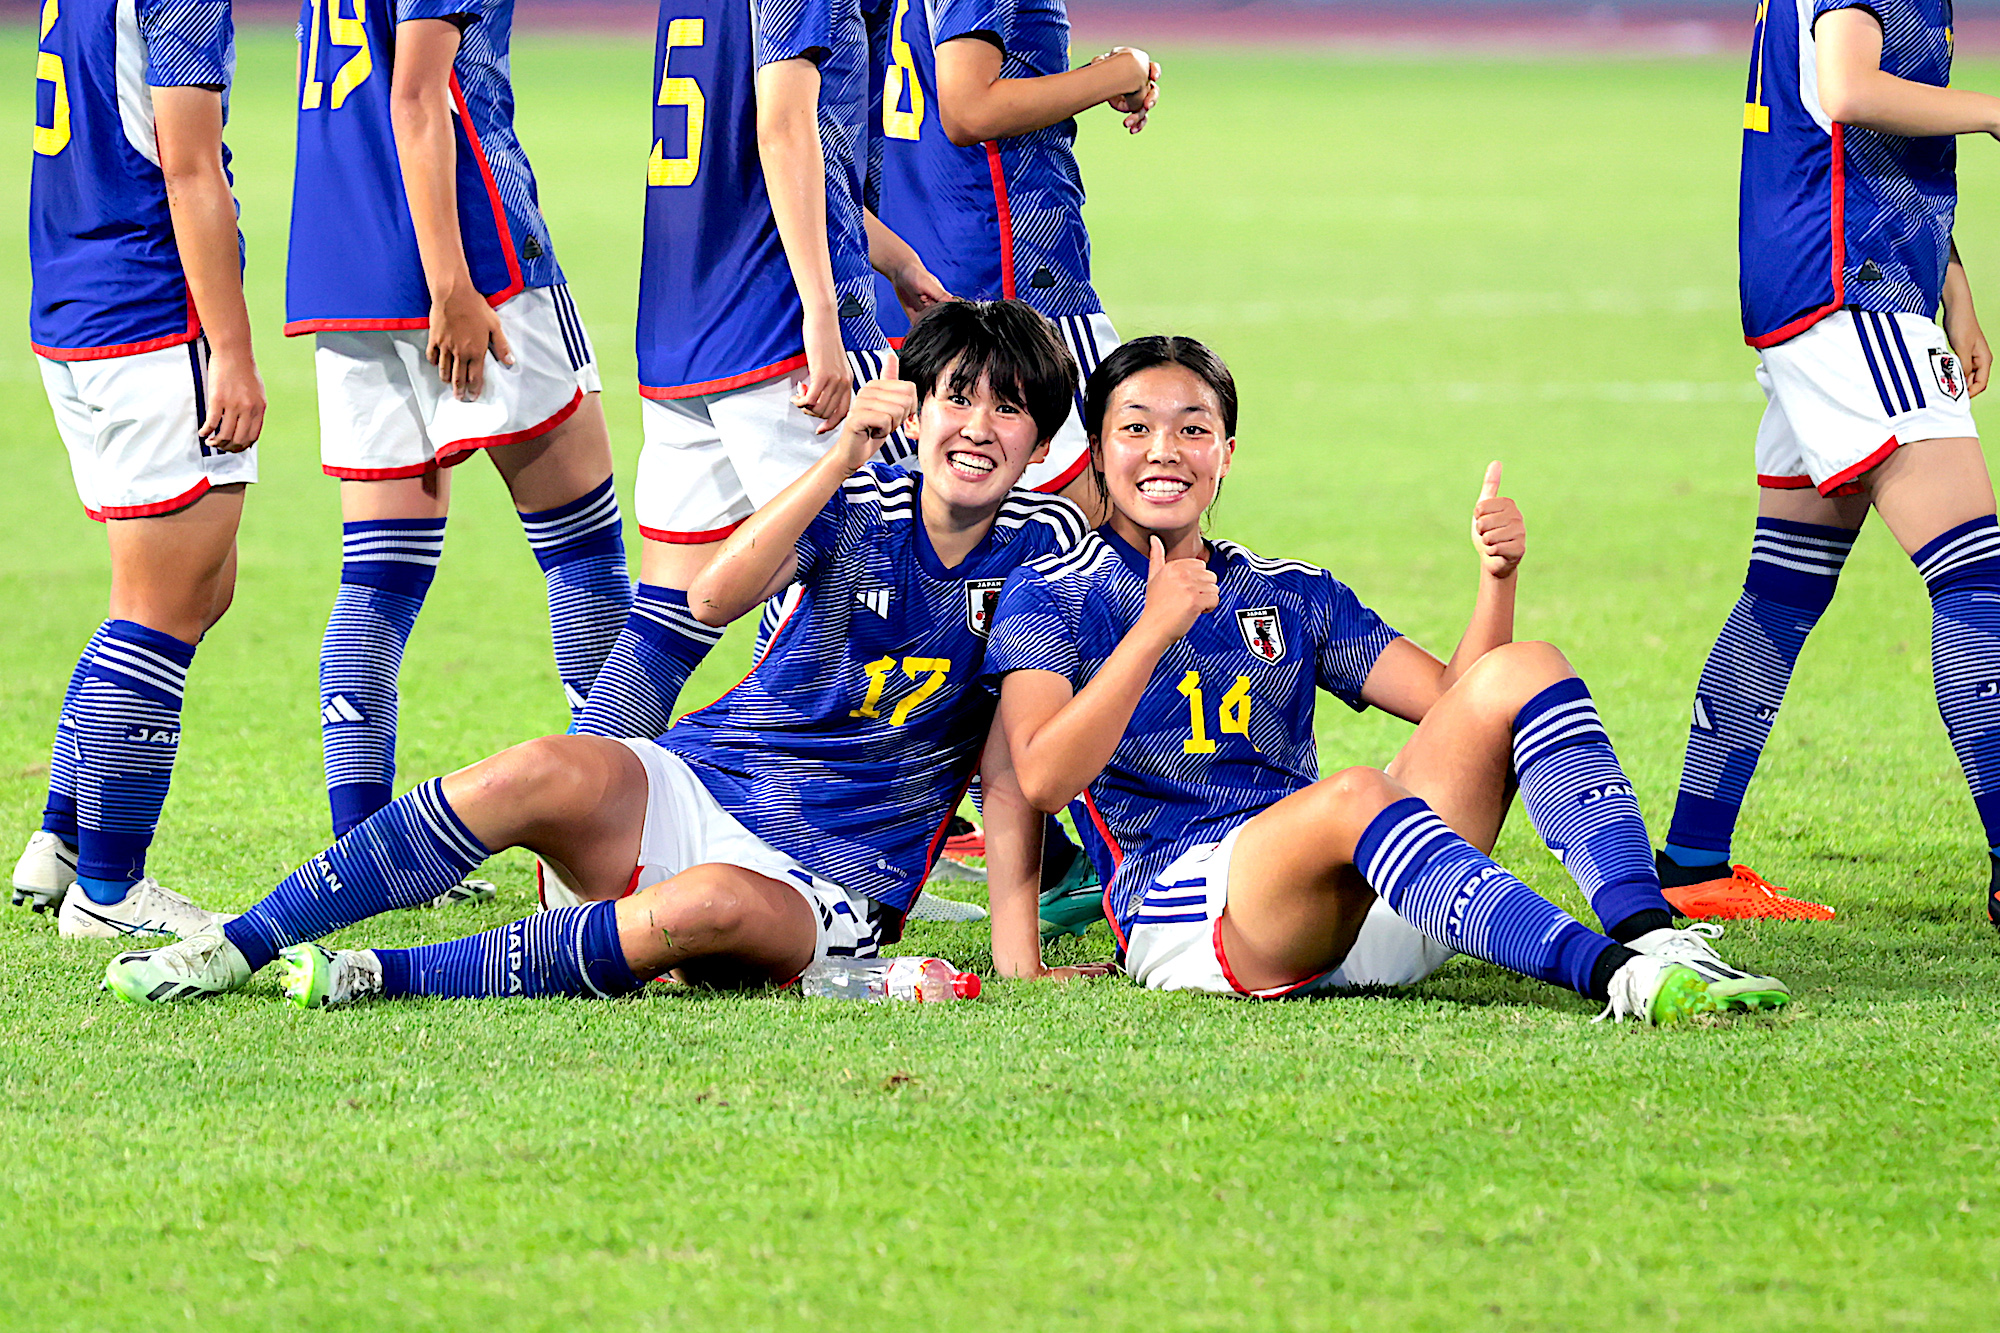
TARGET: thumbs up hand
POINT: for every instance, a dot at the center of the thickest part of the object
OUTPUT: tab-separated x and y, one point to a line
1499	534
1177	592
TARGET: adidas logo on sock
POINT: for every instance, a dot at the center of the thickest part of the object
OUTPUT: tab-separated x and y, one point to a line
876	600
339	709
575	697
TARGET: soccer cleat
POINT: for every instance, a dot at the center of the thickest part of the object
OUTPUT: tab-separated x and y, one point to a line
963	838
146	909
45	871
930	907
1656	991
314	977
201	965
1732	987
467	890
1742	895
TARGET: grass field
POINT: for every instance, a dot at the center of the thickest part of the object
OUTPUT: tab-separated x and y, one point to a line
1413	267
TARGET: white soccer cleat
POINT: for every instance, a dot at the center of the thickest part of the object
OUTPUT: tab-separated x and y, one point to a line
1656	991
930	907
1732	987
314	977
45	871
147	909
201	965
467	890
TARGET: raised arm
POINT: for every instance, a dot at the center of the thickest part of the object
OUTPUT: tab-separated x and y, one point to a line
463	327
1854	90
795	176
188	124
760	557
975	104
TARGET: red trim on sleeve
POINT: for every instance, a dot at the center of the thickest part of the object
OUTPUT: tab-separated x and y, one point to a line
449	451
516	283
181	501
1833	484
1005	215
1812	317
757	376
688	538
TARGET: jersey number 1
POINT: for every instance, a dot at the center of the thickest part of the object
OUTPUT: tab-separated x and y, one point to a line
1232	718
682	92
902	74
53	137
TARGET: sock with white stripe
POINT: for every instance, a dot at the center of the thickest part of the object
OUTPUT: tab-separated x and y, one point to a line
659	648
581	549
127	721
1962	570
1583	806
1452	892
1794	569
404	855
569	951
59	811
386	568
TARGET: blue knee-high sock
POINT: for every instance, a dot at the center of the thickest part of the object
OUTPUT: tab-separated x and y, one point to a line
128	731
581	549
1444	886
403	855
1962	570
570	951
659	648
386	568
1583	806
59	811
1794	569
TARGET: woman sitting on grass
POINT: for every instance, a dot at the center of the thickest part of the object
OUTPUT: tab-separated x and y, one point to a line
1169	682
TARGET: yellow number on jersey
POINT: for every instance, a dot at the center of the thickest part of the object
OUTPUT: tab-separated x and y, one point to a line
899	124
1197	741
1232	717
935	669
878	681
664	170
1756	115
340	31
52	138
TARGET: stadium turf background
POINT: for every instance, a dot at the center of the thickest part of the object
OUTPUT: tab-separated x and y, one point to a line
1414	267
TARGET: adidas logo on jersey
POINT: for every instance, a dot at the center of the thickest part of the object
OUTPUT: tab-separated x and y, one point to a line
339	709
876	600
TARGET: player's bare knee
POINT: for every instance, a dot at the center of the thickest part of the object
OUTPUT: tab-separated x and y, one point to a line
541	775
1510	675
1356	793
706	907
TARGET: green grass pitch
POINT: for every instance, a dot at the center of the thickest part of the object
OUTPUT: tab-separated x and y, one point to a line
1414	267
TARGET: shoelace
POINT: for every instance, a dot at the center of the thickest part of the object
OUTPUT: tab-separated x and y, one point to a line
1617	1004
191	957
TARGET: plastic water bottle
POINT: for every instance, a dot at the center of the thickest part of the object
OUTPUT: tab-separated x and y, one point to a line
877	979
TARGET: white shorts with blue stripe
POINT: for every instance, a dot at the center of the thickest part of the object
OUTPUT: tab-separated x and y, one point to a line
1849	391
1172	943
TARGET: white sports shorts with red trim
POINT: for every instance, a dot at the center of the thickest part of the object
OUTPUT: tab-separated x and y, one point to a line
129	424
1091	338
1843	395
712	460
384	413
1173	944
685	827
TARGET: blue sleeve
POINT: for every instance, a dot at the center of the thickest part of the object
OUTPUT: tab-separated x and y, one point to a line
822	536
1351	638
467	10
961	18
188	43
791	29
1030	632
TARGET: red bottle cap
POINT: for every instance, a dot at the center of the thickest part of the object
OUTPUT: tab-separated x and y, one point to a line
965	985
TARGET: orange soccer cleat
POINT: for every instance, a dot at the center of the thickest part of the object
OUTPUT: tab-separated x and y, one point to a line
963	839
1745	893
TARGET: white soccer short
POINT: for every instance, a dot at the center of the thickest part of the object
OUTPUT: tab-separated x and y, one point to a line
129	424
711	461
685	827
1843	395
383	411
1173	943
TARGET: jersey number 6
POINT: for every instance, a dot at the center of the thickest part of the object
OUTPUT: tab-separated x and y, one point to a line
53	137
897	123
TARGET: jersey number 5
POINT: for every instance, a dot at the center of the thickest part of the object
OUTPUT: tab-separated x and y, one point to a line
674	91
896	123
53	137
1232	718
933	669
339	32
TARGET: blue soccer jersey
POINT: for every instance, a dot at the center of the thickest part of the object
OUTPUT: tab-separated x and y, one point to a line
999	219
107	274
1225	727
851	741
354	262
1834	215
717	305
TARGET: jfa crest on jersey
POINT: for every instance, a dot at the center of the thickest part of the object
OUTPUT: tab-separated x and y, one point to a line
850	742
354	261
1835	215
1225	727
996	219
717	306
107	275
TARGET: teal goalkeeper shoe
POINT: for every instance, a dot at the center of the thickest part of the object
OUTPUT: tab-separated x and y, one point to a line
1070	905
1656	991
314	977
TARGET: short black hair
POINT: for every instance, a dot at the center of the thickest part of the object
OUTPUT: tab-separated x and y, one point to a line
1009	344
1143	354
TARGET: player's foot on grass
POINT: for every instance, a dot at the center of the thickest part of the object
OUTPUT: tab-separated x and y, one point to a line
1071	904
201	965
313	977
931	907
1732	987
1656	991
146	909
1742	894
467	890
963	839
44	873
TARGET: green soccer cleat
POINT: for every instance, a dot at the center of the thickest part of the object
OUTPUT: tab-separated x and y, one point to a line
1656	991
1732	987
203	964
1073	903
314	977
